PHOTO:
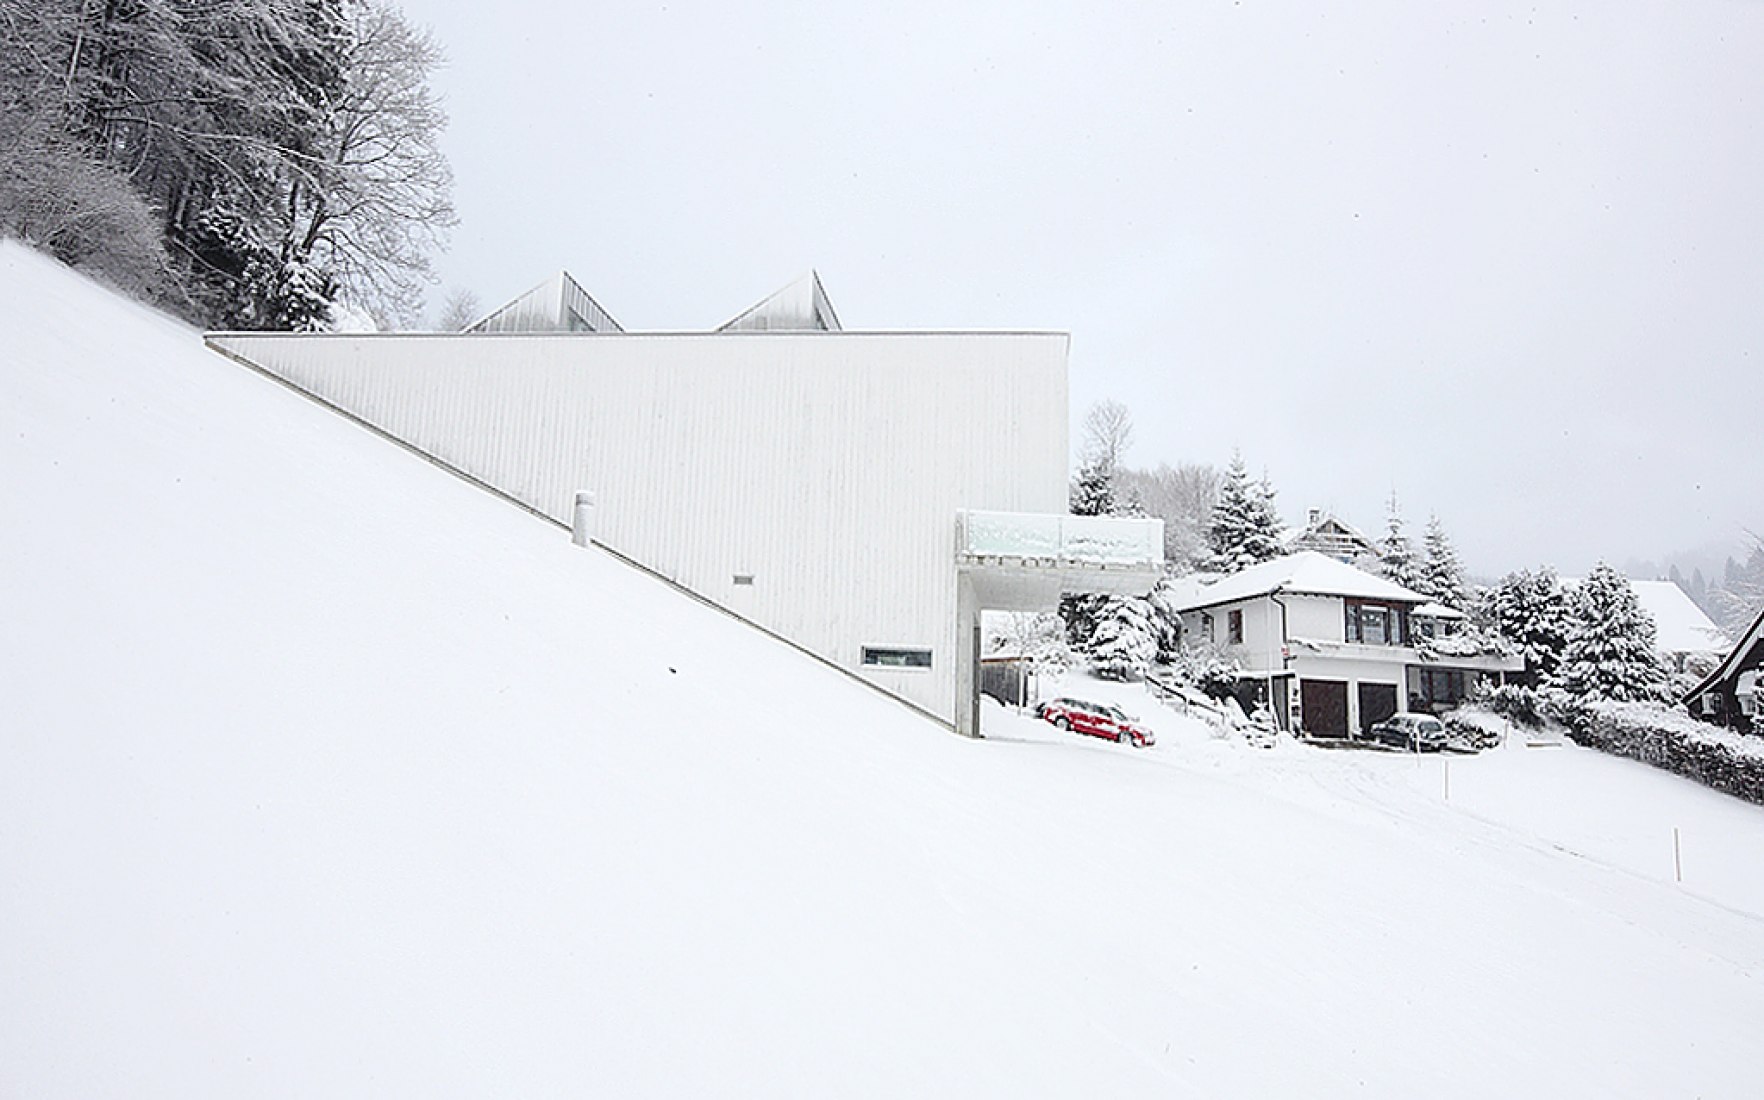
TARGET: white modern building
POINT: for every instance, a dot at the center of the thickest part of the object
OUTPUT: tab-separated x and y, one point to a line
862	495
1332	649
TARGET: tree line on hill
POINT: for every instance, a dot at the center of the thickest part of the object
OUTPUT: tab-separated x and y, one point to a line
1733	599
1592	640
250	164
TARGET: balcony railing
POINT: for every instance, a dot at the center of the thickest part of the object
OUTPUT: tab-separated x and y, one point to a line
1061	540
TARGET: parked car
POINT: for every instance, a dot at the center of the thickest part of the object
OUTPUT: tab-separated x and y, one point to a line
1095	719
1410	732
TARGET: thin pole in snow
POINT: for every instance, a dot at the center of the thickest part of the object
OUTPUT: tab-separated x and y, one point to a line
1677	858
1448	779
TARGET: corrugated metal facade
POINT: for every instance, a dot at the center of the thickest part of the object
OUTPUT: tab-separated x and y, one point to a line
827	467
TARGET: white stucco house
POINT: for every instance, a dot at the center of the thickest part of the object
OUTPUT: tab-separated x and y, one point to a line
1330	648
861	495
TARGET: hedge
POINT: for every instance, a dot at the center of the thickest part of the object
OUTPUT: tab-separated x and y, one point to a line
1729	762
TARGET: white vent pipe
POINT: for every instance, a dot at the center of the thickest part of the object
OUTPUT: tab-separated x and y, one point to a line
582	526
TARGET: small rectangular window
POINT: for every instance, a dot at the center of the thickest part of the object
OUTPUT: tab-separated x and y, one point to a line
1234	627
744	579
1207	626
887	657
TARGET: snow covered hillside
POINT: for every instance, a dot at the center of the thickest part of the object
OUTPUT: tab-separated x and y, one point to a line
325	774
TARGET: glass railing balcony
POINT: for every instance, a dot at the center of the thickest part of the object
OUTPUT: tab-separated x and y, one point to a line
1130	541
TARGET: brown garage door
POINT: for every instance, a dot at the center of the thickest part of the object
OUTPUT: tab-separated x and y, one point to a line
1323	707
1377	702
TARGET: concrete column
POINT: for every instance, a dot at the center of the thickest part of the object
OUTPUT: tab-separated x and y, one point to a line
967	658
582	530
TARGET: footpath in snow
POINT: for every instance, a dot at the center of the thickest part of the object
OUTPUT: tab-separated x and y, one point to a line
323	773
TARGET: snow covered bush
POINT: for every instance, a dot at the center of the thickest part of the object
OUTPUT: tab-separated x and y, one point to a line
1474	728
1203	667
1674	741
1515	702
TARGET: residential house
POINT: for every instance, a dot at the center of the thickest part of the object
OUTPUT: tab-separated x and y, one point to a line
1331	537
1733	694
1330	648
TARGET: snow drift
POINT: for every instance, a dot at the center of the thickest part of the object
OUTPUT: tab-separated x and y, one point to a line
323	773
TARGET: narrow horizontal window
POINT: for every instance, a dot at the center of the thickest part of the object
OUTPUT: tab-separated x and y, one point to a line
744	578
878	657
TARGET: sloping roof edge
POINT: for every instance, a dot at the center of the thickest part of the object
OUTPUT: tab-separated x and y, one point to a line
1748	638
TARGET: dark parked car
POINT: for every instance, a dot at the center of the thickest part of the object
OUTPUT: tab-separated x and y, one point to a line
1410	732
1095	719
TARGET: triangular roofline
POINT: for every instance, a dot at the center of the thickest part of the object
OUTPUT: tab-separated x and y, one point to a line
819	304
1748	638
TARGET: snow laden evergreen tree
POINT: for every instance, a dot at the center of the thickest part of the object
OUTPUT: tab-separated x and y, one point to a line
1441	573
1530	610
1125	641
1245	528
1610	649
1108	430
1396	554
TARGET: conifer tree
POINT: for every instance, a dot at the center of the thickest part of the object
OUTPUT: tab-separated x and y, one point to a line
1441	571
1529	610
1396	554
1125	641
1093	490
1610	649
1245	529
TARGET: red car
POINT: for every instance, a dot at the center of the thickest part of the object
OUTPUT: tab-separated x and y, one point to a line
1096	719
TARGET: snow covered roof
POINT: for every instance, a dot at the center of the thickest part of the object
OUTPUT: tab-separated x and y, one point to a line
1437	611
559	304
1306	572
1680	625
1326	524
1750	639
801	306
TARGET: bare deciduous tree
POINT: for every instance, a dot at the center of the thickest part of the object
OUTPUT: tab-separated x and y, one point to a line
460	309
381	200
1108	432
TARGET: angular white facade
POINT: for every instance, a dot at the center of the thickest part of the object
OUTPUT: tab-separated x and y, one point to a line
808	482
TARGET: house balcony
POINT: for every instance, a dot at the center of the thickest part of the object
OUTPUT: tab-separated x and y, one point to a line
1025	561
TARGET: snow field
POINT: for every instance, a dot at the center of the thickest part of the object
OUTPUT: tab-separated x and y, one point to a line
323	773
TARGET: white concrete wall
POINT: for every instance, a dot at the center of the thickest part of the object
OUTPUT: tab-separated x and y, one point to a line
1319	618
828	466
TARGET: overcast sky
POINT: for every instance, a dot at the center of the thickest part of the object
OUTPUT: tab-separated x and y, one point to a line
1506	260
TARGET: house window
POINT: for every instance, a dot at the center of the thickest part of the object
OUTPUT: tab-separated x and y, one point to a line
1234	627
744	580
890	657
1207	626
1376	623
1442	687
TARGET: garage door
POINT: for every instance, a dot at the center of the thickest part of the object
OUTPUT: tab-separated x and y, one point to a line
1377	702
1323	707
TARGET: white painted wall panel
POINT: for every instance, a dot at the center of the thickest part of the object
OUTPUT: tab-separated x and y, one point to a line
829	467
